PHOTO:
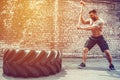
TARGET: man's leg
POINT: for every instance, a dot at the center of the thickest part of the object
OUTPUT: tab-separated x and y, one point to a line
108	56
84	55
88	45
84	58
104	48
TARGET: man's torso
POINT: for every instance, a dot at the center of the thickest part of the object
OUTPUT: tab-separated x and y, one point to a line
99	24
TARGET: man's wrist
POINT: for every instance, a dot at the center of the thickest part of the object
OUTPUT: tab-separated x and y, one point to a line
80	28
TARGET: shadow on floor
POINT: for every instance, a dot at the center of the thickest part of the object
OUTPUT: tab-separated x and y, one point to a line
63	73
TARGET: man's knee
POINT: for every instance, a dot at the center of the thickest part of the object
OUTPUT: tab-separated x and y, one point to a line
85	50
107	53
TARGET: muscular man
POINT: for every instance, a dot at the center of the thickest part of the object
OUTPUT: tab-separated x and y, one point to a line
96	27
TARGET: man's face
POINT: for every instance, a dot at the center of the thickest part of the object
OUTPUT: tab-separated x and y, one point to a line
93	16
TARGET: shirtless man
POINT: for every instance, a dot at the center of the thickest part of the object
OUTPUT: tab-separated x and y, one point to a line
96	27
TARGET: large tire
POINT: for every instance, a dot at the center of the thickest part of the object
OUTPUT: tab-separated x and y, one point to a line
23	63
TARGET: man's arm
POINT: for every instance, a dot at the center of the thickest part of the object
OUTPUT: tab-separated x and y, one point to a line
84	21
81	17
80	14
95	26
88	28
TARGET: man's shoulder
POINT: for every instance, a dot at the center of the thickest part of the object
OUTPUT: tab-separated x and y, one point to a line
100	20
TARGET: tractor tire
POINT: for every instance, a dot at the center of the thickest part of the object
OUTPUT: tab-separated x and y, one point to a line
31	63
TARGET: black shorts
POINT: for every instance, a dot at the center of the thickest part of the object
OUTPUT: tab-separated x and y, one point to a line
97	40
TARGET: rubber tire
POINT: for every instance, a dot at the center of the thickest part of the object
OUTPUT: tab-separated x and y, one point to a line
23	63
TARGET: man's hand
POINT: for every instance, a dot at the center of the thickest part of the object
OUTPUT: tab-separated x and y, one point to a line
82	3
78	27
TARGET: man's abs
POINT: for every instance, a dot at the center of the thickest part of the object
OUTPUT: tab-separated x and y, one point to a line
96	33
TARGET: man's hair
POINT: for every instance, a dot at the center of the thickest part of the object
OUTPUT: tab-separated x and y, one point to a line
93	11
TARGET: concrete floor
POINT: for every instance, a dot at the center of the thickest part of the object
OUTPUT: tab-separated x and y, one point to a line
97	69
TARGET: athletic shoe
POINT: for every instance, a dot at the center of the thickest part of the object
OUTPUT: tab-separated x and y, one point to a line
111	67
82	65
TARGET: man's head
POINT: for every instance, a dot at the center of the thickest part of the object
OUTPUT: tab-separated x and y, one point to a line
93	15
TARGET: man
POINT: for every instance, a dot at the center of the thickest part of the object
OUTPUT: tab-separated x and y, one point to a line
96	27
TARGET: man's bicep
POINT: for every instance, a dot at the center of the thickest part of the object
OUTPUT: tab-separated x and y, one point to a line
96	27
98	24
87	22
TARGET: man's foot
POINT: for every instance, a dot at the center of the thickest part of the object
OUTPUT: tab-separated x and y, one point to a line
82	65
111	67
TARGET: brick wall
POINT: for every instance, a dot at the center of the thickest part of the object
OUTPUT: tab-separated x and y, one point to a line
47	24
107	9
